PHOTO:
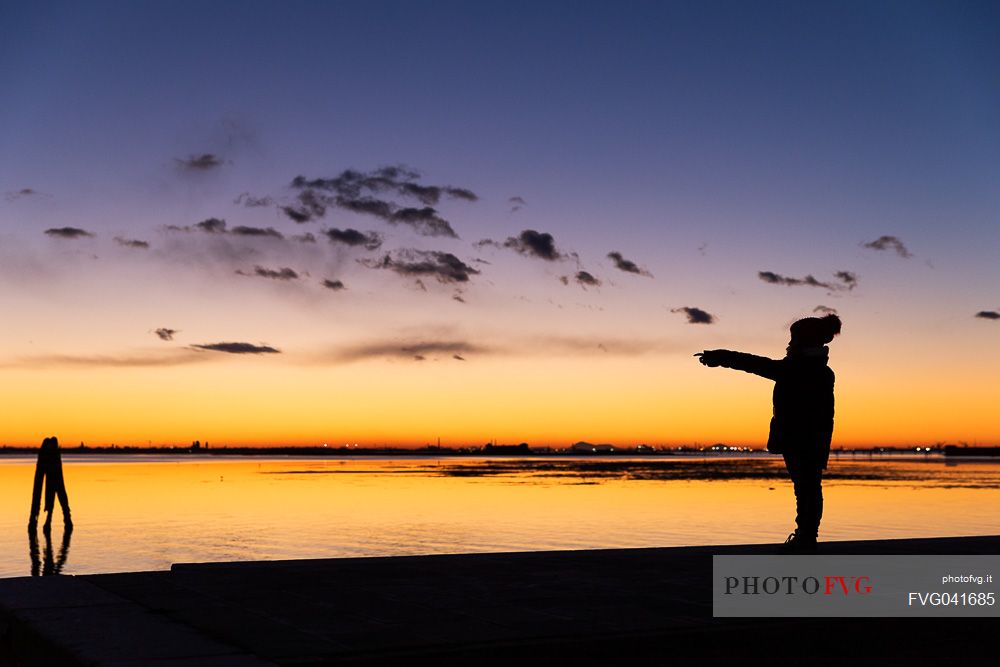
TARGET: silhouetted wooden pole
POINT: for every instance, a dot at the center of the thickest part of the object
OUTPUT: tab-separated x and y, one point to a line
48	469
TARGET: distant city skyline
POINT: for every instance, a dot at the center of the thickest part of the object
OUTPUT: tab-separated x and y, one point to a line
389	222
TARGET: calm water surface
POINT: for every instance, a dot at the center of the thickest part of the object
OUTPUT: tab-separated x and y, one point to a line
146	512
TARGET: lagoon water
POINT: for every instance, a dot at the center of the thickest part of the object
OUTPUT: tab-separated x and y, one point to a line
142	512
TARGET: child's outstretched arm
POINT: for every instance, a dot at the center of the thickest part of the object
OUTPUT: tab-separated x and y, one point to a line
741	361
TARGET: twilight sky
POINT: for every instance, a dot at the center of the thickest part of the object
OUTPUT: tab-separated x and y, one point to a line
385	222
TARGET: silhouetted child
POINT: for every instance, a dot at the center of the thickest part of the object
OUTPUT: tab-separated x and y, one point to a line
802	425
48	469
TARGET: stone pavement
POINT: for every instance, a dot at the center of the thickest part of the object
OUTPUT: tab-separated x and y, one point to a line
616	606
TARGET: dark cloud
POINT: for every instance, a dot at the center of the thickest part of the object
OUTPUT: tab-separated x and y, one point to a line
284	273
366	206
529	243
444	266
354	238
242	230
825	309
305	238
847	279
888	243
68	233
311	206
695	315
457	296
461	193
237	348
212	226
217	226
365	193
988	315
297	214
203	162
627	265
425	221
458	357
14	195
164	333
249	201
586	279
335	285
131	243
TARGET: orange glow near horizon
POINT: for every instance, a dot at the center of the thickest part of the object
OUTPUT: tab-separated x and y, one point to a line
555	402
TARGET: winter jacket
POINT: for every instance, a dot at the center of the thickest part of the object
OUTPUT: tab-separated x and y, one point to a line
802	423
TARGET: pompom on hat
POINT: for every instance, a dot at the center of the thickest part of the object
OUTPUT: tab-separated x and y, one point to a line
816	330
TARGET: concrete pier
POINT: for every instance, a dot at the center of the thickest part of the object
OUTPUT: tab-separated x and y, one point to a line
620	606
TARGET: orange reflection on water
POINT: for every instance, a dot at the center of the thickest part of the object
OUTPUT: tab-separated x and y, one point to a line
141	513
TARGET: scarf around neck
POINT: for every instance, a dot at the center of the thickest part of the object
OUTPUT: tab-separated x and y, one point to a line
811	352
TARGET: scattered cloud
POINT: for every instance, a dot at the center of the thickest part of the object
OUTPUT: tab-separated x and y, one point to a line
269	232
366	193
283	273
889	243
14	195
458	357
695	315
335	285
217	226
202	162
825	309
237	348
586	279
444	266
305	238
847	280
164	333
249	201
68	233
425	221
988	315
354	238
212	226
627	265
529	243
461	193
311	206
131	243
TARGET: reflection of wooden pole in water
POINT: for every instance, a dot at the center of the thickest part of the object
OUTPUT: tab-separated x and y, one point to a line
51	564
48	470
